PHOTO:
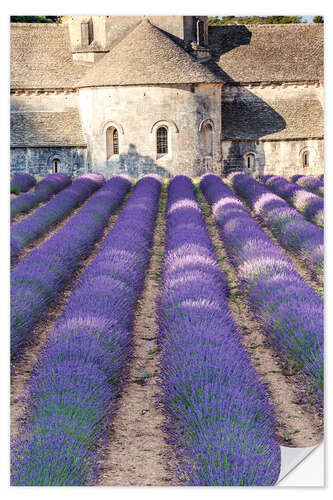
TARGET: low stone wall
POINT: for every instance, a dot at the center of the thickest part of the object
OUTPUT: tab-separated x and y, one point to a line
38	161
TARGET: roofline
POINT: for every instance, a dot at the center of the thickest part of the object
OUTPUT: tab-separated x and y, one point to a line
151	84
56	145
268	139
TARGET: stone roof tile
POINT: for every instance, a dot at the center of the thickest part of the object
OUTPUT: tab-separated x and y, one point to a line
269	52
147	56
44	128
278	119
41	57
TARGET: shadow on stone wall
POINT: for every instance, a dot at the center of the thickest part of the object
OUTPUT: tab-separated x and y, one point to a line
131	163
235	159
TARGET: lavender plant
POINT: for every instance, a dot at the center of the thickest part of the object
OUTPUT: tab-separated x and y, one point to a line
78	375
287	224
220	417
310	183
42	275
43	192
309	204
38	223
289	310
22	183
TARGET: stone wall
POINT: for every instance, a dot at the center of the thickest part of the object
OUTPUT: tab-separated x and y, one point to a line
274	157
43	101
137	112
38	161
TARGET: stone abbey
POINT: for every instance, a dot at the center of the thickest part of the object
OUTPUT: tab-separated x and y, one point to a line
166	94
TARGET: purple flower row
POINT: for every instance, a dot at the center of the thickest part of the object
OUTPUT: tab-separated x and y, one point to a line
25	232
290	228
78	375
310	183
22	183
289	310
221	419
46	188
309	204
42	275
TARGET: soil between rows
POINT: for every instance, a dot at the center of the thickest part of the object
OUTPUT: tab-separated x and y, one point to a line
21	370
136	453
298	425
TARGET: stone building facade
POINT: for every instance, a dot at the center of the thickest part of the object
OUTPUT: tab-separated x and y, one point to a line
166	94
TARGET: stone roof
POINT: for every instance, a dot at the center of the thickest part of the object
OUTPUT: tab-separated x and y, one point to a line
41	57
250	119
269	52
44	128
146	55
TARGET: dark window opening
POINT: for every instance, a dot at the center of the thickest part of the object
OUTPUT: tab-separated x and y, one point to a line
250	161
115	142
90	31
306	159
162	140
200	33
55	165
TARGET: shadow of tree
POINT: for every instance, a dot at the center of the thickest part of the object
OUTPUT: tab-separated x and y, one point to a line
132	163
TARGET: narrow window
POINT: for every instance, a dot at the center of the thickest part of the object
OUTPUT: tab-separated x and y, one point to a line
162	140
208	140
90	31
115	142
200	33
55	165
112	142
250	161
306	159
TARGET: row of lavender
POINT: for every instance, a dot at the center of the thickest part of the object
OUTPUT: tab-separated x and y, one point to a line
46	188
310	183
42	275
22	182
25	232
220	417
288	309
78	375
290	228
309	204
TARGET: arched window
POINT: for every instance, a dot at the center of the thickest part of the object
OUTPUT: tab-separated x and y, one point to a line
306	159
250	161
55	165
208	140
112	142
162	140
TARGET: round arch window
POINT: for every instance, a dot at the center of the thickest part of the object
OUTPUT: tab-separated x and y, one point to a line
250	161
55	165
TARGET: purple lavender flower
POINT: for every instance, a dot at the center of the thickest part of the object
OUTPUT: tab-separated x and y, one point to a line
46	188
310	183
22	183
38	223
289	310
309	204
78	375
42	275
220	417
288	226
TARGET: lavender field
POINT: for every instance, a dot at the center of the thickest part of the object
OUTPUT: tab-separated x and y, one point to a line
164	332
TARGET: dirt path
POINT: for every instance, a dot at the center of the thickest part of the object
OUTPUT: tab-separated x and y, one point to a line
21	370
136	453
298	426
